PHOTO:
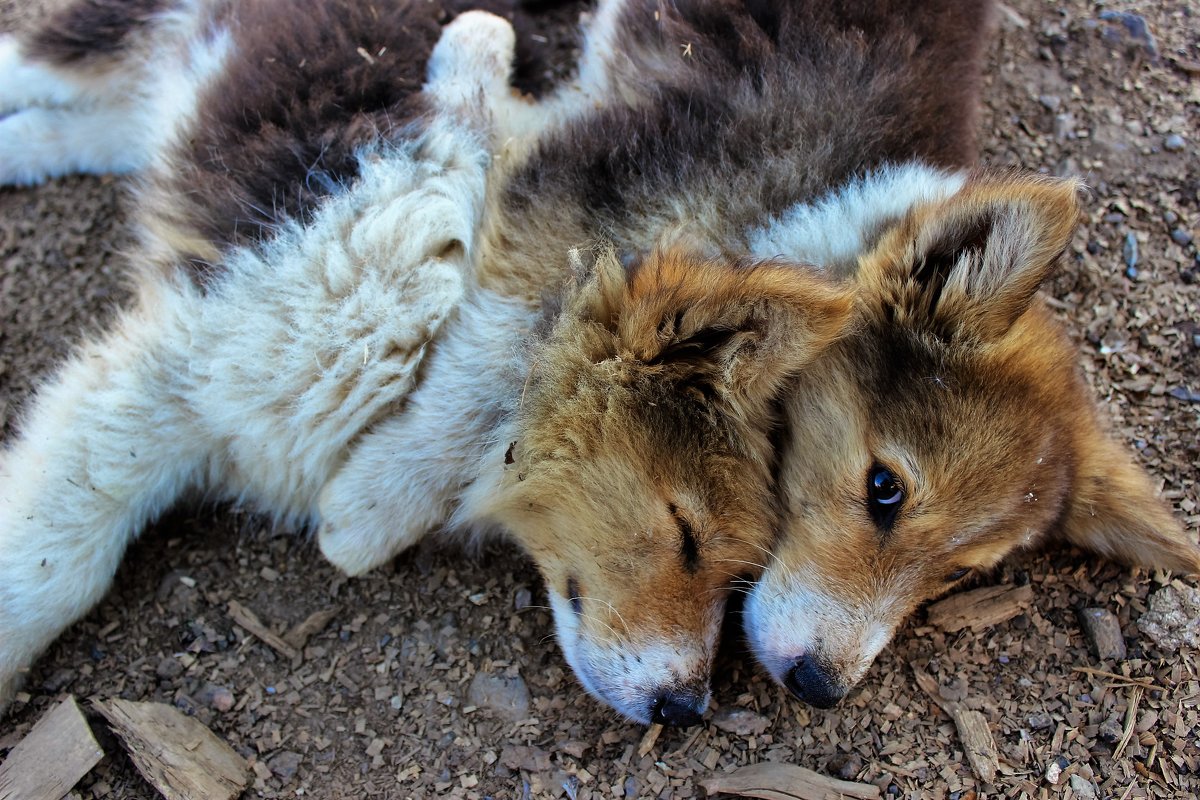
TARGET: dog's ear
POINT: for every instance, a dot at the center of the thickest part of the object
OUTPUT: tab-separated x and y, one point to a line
968	267
734	329
1113	510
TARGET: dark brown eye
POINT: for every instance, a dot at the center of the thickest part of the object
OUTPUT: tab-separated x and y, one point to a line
689	548
885	495
958	574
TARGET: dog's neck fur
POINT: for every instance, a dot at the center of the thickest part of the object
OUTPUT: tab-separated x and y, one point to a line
832	231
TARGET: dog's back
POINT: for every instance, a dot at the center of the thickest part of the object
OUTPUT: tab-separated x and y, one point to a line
732	113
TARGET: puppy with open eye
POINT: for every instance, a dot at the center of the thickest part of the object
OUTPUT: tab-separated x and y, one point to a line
949	426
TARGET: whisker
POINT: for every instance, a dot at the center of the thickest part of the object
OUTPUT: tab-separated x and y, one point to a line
763	567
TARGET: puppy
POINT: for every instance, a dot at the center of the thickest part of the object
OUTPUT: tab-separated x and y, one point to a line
326	328
946	426
949	427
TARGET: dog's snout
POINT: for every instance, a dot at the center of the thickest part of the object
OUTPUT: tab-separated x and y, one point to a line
678	709
814	682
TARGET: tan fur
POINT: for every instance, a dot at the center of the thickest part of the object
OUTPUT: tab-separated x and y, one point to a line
635	424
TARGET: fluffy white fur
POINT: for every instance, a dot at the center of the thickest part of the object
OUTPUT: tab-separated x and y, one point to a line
259	389
832	231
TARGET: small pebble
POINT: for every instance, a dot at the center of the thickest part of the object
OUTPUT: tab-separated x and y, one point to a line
1111	730
284	764
169	668
1083	788
1055	769
1040	722
1181	237
1130	253
218	697
1103	633
1174	143
504	696
1050	101
1064	126
1170	217
522	599
846	767
1135	27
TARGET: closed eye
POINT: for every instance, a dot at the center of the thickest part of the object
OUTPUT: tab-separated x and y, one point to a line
689	548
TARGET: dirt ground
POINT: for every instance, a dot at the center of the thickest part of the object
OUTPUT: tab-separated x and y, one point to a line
380	702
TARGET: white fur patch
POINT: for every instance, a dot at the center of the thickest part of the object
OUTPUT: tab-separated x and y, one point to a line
832	231
629	676
790	614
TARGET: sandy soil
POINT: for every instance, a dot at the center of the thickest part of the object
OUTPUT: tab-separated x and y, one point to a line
380	703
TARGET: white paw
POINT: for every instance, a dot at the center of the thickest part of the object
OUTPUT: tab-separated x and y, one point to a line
472	61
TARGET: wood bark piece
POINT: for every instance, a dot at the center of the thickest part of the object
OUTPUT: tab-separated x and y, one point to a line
248	620
299	635
649	739
53	756
973	731
177	754
775	781
980	608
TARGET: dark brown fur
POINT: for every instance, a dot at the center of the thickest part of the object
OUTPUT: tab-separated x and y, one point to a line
305	88
91	30
783	99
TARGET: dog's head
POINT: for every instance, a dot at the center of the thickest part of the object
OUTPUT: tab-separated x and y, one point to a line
640	473
949	429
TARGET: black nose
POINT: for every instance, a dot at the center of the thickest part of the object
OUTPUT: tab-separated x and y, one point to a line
677	709
814	682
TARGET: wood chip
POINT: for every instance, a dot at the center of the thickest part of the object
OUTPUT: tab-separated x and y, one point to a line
973	731
299	635
649	739
248	620
177	754
980	608
775	781
53	756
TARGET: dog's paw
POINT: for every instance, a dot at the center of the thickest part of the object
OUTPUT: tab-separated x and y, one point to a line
471	64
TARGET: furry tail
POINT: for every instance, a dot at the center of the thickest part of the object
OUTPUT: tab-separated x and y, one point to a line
107	446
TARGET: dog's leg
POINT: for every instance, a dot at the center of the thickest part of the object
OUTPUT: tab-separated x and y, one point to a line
406	476
106	446
470	66
399	480
48	127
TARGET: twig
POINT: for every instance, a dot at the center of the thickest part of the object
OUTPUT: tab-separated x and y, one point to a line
1145	683
1135	697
